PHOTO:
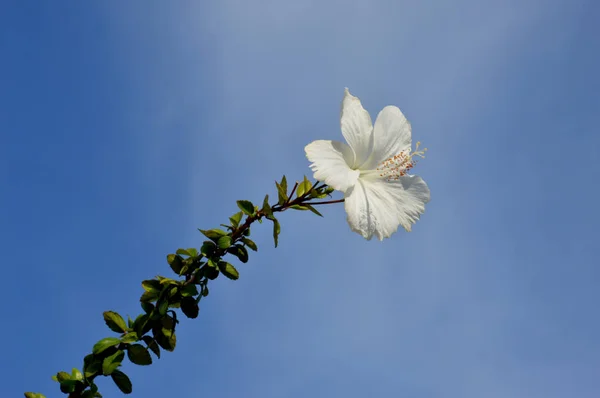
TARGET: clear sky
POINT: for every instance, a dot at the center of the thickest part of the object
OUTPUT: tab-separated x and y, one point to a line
124	126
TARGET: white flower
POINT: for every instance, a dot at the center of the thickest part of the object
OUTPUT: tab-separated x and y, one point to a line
372	170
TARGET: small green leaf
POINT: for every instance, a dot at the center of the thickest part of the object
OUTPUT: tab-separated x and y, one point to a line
250	244
139	355
168	322
192	252
224	242
208	248
165	338
246	206
189	290
152	345
266	209
91	365
205	291
298	207
76	374
148	297
91	394
130	337
314	210
34	395
211	273
147	307
162	306
282	196
142	324
68	386
175	262
112	362
166	281
104	344
122	381
303	187
276	231
236	219
189	306
229	270
213	233
62	376
114	321
240	252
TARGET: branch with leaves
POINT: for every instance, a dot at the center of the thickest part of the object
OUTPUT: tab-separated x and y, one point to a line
155	328
371	170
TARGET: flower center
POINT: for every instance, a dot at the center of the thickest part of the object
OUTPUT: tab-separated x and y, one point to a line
399	165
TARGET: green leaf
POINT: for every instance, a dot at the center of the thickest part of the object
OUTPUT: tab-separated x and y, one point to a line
236	219
208	248
112	362
240	252
266	209
34	395
129	321
91	365
150	296
250	244
205	291
68	386
303	188
147	307
139	355
114	321
246	206
130	337
189	290
224	242
191	252
298	207
211	273
175	262
229	270
62	376
91	394
282	196
122	381
76	374
166	281
162	306
314	210
152	345
142	324
213	233
104	344
165	338
276	231
189	306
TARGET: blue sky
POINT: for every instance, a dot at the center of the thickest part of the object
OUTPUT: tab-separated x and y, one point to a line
123	128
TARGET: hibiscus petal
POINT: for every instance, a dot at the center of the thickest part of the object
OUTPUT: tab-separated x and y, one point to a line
376	207
391	135
357	128
330	160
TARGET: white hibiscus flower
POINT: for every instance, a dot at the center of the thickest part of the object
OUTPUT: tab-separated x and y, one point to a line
372	170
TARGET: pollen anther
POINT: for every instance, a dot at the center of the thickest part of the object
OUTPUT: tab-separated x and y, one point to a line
399	165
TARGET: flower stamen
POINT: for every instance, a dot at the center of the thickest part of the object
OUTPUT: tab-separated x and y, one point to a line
399	165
